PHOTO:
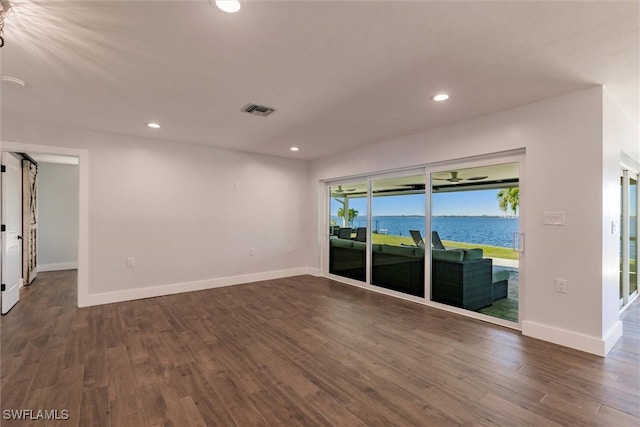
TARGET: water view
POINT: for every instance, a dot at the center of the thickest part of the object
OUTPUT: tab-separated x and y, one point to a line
485	230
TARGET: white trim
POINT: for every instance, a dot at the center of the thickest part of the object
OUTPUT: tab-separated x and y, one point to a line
316	272
198	285
58	266
83	204
612	337
563	337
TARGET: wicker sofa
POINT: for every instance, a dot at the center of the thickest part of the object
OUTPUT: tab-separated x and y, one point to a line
347	258
399	268
393	267
462	278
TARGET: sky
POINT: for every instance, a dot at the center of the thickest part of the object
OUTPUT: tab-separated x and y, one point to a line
469	203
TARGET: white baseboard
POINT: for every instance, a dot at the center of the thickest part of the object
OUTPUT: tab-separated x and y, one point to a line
177	288
586	343
317	272
58	267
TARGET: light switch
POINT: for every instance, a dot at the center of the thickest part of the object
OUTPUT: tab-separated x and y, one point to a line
553	218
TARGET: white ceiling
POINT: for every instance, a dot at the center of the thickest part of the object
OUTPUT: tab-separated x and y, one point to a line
342	74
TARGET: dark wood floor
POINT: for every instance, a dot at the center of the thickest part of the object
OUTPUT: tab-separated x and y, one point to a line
298	351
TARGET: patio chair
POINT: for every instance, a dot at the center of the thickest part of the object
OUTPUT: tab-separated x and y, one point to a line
435	241
417	237
361	234
344	233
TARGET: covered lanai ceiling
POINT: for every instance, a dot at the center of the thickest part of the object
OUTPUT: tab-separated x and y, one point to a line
341	74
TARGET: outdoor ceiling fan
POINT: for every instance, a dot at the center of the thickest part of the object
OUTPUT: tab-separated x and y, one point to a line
455	179
341	190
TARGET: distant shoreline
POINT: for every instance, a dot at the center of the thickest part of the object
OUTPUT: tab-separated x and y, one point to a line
441	216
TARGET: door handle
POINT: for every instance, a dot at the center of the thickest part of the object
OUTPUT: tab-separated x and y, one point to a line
19	237
518	242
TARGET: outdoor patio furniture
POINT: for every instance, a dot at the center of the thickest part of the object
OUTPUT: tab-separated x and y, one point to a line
399	268
361	234
344	232
347	258
461	278
500	279
436	243
417	237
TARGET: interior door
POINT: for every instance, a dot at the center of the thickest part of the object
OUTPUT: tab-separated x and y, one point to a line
11	238
29	220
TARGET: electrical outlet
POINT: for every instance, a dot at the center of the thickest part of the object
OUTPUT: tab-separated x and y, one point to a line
131	262
252	251
561	286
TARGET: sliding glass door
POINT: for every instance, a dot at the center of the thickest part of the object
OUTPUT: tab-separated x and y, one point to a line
628	236
398	226
347	229
475	239
376	229
452	236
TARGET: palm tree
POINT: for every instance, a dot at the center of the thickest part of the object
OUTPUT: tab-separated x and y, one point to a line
509	199
351	215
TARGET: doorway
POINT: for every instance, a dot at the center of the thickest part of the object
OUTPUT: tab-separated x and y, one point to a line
629	210
82	225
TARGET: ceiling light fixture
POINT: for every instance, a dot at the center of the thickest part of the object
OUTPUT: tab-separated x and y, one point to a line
153	125
294	149
440	97
229	6
5	5
13	80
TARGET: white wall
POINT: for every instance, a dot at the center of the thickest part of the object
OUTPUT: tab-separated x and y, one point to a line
176	210
564	172
57	216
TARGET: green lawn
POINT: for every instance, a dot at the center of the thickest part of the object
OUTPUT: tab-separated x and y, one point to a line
489	251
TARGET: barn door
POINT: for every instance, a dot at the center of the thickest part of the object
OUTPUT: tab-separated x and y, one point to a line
30	220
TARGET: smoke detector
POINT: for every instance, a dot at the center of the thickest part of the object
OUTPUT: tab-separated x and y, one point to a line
258	110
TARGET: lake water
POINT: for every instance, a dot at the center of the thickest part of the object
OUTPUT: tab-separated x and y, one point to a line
487	230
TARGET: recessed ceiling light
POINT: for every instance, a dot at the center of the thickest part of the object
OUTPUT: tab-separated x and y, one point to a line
441	97
294	149
229	6
153	125
13	80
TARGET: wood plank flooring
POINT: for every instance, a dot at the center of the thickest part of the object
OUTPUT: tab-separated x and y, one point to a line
297	351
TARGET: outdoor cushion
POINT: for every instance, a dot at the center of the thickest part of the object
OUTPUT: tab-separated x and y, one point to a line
498	275
361	246
447	255
342	243
397	250
471	254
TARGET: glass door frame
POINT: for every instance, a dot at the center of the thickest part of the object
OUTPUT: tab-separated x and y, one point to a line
516	156
625	225
484	161
325	247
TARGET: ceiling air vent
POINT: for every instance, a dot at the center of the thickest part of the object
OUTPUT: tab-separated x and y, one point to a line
258	110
